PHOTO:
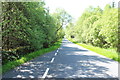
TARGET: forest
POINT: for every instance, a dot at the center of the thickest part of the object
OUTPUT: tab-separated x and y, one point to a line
38	43
97	27
28	27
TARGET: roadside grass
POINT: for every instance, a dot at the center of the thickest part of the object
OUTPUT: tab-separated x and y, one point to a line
110	53
10	65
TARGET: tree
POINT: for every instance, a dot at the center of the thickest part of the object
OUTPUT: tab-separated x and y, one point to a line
62	17
27	27
97	27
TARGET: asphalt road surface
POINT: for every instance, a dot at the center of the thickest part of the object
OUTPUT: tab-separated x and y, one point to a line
68	61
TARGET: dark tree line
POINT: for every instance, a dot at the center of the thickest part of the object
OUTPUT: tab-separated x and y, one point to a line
27	27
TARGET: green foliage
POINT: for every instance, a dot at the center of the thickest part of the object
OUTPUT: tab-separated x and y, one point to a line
110	53
97	27
118	47
27	24
62	18
30	56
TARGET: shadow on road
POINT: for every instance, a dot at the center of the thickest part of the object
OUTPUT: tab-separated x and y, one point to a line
32	69
74	62
70	62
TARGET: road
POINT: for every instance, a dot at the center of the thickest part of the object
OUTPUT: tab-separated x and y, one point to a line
68	61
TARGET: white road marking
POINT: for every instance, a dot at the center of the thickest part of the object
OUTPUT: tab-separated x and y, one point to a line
49	76
45	74
55	54
57	50
52	60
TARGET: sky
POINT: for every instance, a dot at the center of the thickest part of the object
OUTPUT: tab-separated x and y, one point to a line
76	7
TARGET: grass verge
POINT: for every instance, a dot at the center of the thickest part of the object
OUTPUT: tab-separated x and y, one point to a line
110	53
10	65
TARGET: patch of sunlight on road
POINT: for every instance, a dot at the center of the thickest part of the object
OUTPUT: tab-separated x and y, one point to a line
69	45
25	70
31	76
68	67
19	76
77	53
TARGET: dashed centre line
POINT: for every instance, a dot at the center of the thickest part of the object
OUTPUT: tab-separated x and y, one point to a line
55	54
52	60
45	74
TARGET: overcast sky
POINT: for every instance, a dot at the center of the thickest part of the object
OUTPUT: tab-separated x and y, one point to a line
76	7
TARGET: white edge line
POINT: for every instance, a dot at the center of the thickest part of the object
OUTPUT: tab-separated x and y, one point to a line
45	74
52	60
